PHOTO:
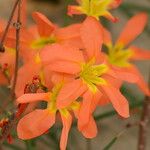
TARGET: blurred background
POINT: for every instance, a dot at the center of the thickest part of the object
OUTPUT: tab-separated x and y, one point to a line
109	124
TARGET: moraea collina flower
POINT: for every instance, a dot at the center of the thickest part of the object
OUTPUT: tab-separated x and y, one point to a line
92	77
121	54
44	33
40	121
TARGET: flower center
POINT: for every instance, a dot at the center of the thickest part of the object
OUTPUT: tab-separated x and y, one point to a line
119	56
40	43
51	106
91	74
95	8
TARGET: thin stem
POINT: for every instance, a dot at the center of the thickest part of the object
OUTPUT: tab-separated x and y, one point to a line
143	126
17	26
88	144
8	25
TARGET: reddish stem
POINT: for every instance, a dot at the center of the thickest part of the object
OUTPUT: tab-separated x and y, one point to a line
143	126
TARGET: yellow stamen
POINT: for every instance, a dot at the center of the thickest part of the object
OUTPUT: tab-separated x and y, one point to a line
40	43
52	103
64	112
95	8
91	74
119	56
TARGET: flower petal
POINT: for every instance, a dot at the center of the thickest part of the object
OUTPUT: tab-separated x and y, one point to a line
133	28
45	27
35	124
74	10
124	74
104	101
91	35
141	82
65	67
139	53
118	101
89	104
70	92
68	32
85	110
113	80
60	53
67	121
33	97
107	37
90	130
110	17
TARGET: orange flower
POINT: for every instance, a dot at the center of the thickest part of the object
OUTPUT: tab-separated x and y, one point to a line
44	33
120	54
95	8
40	121
92	77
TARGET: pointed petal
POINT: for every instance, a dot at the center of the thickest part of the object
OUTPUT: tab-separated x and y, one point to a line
27	98
110	17
133	28
95	100
45	27
139	53
107	37
141	82
91	35
89	104
65	67
67	121
61	53
35	124
68	32
73	10
70	92
90	130
85	110
58	77
118	101
125	75
104	100
113	80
